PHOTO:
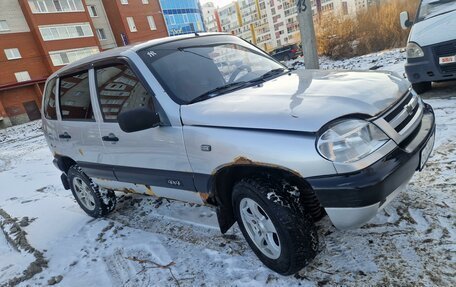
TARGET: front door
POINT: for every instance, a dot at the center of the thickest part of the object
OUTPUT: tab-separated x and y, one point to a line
32	110
152	161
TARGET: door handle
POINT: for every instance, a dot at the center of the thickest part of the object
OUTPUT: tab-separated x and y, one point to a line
65	135
110	138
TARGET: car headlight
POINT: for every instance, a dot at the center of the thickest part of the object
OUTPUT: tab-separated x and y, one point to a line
414	51
350	140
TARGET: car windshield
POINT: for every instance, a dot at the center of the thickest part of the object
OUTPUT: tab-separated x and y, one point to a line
196	69
432	8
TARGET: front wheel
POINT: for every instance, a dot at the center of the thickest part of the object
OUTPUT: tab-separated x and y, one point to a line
95	202
281	235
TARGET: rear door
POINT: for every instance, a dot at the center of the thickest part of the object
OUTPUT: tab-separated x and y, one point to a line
152	161
79	132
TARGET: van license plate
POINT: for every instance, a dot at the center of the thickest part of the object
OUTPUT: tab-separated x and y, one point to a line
426	152
447	60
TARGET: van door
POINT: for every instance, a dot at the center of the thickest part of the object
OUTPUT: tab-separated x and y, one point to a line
79	132
152	161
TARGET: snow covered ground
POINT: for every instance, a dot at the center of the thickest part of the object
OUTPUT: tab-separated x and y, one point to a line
47	239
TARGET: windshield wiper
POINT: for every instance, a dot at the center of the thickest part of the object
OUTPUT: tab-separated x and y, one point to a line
269	74
218	91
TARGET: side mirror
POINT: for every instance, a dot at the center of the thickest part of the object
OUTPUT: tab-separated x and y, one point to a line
138	120
405	21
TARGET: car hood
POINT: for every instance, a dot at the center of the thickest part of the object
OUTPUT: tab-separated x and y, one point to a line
303	100
434	30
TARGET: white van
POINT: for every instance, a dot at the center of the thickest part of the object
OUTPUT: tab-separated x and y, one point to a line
431	48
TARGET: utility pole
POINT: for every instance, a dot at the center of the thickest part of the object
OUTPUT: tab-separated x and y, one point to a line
306	26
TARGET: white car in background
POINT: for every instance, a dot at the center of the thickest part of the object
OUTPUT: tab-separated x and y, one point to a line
431	48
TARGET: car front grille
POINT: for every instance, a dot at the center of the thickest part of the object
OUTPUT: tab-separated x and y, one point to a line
401	115
444	50
400	121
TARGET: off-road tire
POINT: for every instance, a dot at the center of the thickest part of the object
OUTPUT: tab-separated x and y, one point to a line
295	228
422	87
105	200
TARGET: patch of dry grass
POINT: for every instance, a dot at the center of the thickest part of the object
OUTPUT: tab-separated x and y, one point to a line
372	30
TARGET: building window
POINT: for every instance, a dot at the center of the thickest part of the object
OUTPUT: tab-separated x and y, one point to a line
172	21
22	76
92	11
145	1
101	34
55	6
4	26
124	2
151	21
131	24
185	18
74	93
12	54
63	57
59	32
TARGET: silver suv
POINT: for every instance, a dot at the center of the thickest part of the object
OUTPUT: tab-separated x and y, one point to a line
272	149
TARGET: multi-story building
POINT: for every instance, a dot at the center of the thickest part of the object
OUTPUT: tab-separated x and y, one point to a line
272	23
182	17
211	17
38	37
135	20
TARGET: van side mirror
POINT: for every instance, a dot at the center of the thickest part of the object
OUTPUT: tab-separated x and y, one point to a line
405	20
138	120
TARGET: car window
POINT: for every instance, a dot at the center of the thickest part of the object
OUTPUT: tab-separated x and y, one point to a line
49	101
75	97
189	72
120	90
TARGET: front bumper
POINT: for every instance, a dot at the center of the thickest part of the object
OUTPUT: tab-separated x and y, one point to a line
427	68
352	199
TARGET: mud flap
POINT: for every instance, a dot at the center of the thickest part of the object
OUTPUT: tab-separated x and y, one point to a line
65	182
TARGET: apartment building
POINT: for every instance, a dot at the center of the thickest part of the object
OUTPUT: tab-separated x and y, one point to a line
38	37
211	17
272	23
135	21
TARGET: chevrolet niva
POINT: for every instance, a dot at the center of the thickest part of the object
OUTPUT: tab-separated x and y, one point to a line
270	148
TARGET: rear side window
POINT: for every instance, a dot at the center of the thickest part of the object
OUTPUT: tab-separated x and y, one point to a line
49	101
75	97
120	90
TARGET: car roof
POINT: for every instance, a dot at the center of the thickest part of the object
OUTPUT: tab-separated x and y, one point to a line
134	48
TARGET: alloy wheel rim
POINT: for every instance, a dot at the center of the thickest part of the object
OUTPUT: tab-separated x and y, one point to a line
84	193
260	228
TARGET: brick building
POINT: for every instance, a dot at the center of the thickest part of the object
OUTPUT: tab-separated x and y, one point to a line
37	37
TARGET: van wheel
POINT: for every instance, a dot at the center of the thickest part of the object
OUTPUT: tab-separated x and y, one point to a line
95	202
281	235
422	87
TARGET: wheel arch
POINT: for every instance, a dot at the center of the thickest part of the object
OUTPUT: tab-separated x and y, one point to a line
226	177
63	163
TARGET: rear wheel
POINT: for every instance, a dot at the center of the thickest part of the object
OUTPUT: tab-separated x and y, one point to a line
91	199
422	87
282	236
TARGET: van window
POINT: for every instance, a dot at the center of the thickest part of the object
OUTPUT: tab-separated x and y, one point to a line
120	90
75	97
49	101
